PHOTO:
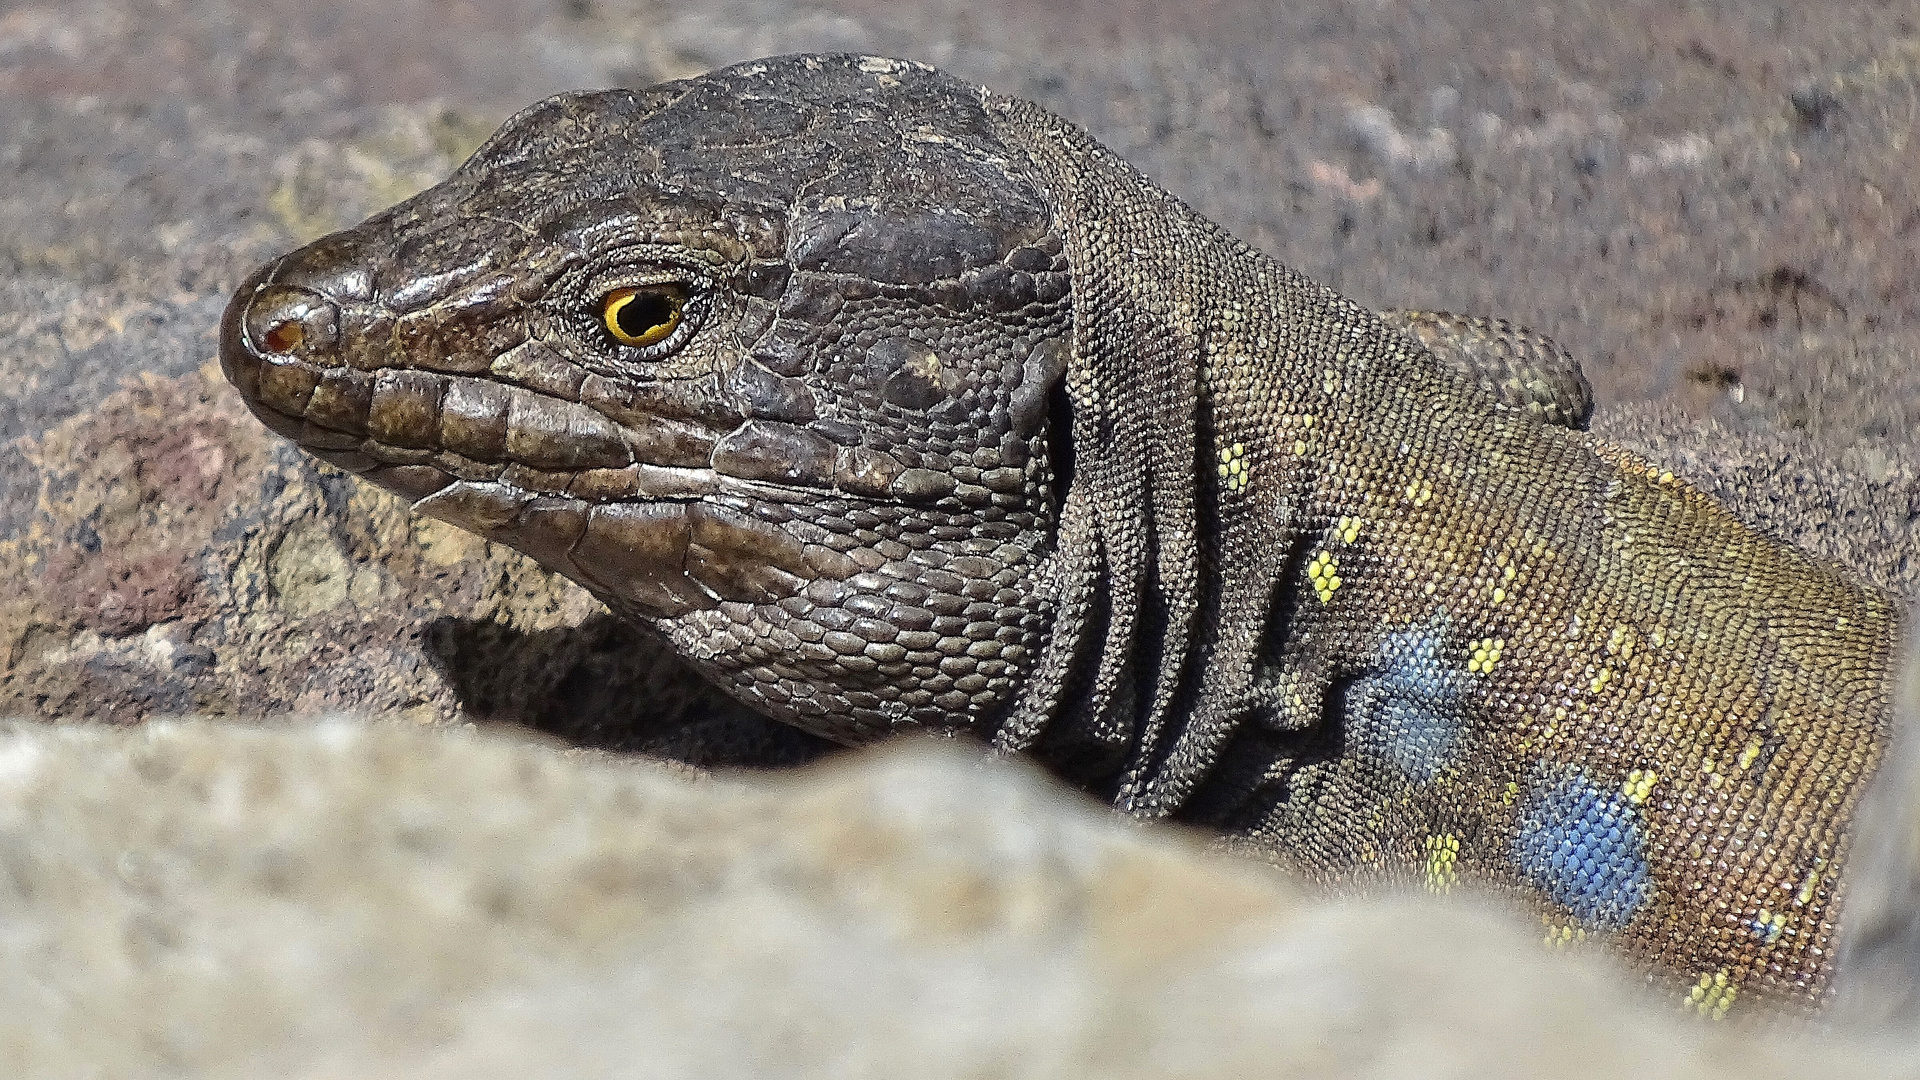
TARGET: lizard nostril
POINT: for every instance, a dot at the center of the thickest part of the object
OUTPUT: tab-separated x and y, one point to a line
284	320
285	337
275	341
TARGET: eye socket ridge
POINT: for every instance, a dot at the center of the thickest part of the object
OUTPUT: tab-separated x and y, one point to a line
644	316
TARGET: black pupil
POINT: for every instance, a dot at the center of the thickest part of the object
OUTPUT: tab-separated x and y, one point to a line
646	311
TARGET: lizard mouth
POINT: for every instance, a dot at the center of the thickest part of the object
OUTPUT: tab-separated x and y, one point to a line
620	506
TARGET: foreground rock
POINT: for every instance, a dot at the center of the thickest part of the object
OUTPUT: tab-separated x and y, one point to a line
344	899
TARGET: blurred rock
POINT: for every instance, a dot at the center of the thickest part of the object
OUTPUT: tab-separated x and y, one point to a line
341	900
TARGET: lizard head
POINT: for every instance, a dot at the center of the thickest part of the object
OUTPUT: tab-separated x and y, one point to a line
762	357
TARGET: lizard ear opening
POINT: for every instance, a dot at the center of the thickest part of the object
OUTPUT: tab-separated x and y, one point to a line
1042	396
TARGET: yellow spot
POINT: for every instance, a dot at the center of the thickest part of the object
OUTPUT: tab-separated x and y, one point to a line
1666	478
1234	468
1639	785
1443	849
1485	654
1620	642
1323	572
1560	936
1511	793
1419	491
1752	753
1499	595
646	315
1307	421
1811	884
1713	995
1601	680
1348	529
1510	573
1299	448
1770	925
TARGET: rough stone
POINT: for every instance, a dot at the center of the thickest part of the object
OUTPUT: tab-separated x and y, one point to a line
348	899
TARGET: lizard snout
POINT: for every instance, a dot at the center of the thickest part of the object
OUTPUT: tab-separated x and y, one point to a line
295	323
300	341
273	329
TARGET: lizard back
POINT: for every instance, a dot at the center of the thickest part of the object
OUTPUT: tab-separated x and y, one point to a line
1444	640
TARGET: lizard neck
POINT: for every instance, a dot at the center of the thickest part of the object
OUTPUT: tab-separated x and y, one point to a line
1205	380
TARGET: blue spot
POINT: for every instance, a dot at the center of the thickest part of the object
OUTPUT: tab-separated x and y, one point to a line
1581	844
1408	711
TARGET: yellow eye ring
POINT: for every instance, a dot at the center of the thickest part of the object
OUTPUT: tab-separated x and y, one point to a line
643	315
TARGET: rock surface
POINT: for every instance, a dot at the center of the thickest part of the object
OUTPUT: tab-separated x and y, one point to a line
1713	206
345	899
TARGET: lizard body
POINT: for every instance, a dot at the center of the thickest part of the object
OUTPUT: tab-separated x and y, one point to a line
894	402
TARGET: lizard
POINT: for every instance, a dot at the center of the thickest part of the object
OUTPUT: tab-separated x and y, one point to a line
893	402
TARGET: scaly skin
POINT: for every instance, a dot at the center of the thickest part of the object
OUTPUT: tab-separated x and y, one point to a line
963	424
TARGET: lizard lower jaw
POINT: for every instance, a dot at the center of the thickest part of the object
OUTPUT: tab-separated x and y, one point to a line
654	559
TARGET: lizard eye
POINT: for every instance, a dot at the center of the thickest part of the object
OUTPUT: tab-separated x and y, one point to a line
644	315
